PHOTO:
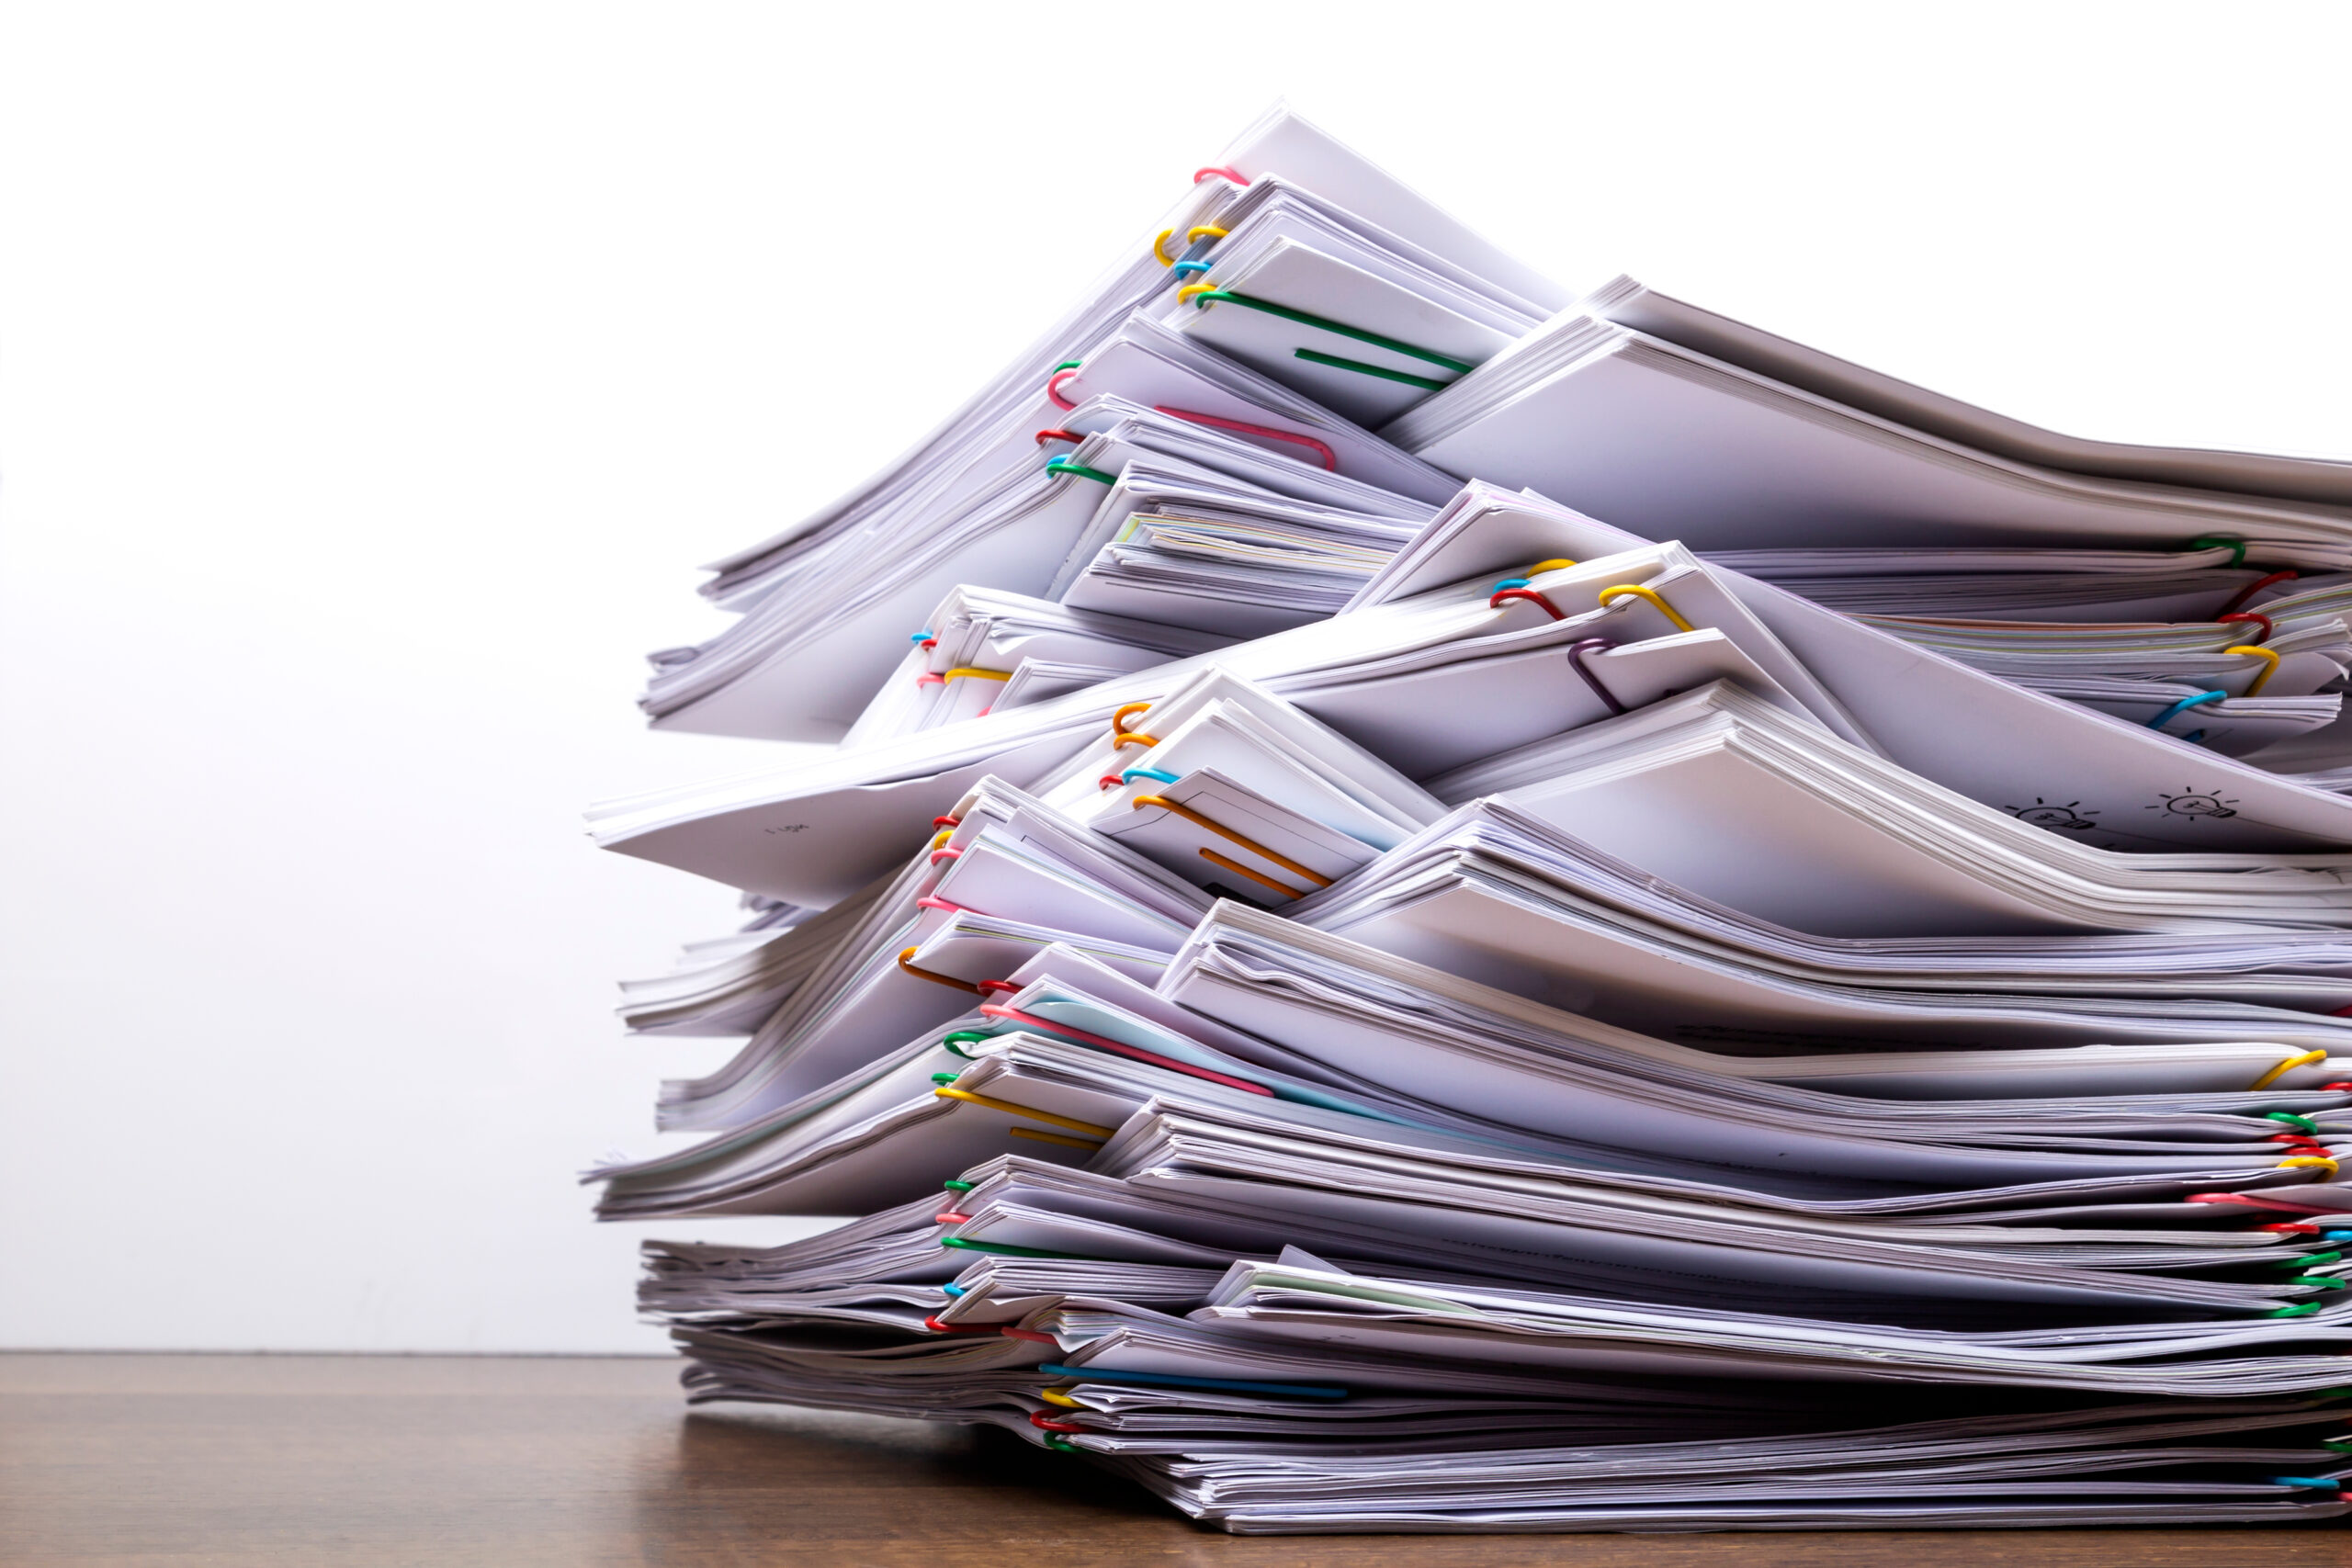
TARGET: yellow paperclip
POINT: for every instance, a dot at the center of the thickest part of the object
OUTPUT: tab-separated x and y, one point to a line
2264	679
2283	1068
978	673
1012	1110
1184	295
1159	244
1055	1396
1119	720
1547	566
1652	595
1192	236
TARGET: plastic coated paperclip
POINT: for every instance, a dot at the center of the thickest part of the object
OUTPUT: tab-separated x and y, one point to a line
1178	809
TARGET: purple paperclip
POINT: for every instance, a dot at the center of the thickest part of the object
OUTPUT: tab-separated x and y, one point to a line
1576	650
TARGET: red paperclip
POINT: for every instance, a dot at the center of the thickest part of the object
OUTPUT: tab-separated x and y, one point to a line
938	1327
1054	388
1030	1335
2269	631
1012	1015
1071	435
2257	1203
929	902
1321	449
1200	174
2251	589
1531	596
950	1217
947	822
929	679
1039	1419
990	987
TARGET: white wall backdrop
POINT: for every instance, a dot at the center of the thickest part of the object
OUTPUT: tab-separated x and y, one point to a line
372	377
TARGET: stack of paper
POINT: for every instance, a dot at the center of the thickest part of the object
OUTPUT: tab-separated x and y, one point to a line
1446	911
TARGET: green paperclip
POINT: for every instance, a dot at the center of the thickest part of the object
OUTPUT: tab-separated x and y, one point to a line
1066	365
954	1186
953	1041
1064	465
2215	542
1006	1250
945	1078
2304	1309
1061	1445
1315	356
1201	301
2300	1123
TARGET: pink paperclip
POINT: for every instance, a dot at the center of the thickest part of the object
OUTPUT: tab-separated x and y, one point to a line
1330	458
1200	174
1054	388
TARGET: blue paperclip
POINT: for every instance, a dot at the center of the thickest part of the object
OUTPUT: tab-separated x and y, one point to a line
1133	773
2321	1482
1510	582
1184	266
952	1289
920	636
2182	706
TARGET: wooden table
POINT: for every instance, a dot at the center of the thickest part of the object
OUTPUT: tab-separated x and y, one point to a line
149	1460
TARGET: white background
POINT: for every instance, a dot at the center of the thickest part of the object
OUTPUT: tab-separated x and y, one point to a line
373	377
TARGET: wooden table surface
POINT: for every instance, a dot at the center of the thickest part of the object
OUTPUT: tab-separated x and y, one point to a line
151	1458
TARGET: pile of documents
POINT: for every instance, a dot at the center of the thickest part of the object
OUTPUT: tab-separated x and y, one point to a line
1446	906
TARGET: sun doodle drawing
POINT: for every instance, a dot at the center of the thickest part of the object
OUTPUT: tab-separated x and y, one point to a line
2041	813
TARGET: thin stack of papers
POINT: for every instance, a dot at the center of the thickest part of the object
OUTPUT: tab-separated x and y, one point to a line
1448	909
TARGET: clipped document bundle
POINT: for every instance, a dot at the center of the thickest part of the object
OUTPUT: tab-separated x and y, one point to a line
1441	906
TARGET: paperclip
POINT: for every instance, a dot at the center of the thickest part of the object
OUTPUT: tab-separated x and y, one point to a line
996	987
1221	171
923	636
2264	679
1064	465
2303	1123
1178	809
1047	1117
936	1326
2256	617
2283	1068
1216	422
1184	295
954	1044
1506	595
2182	706
2251	589
967	671
1340	329
2253	1203
1126	737
1072	437
1576	650
1651	594
1163	776
2215	542
1040	1419
1033	1135
936	979
1227	863
1186	268
1055	1396
1054	387
1120	715
1118	1047
1316	356
1030	1335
